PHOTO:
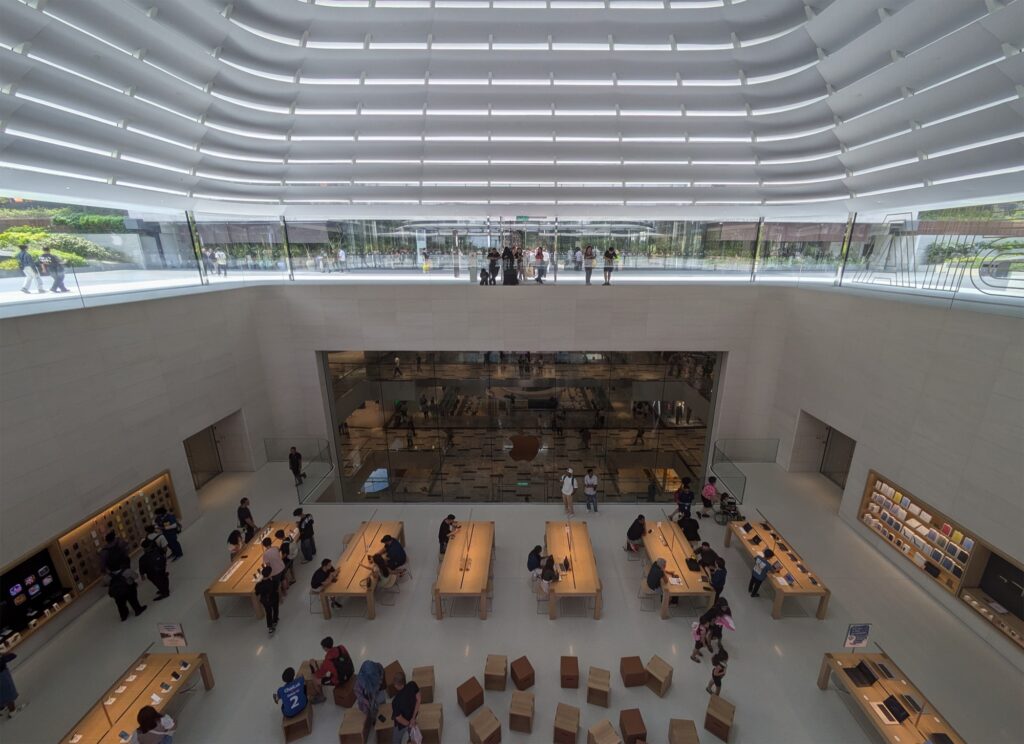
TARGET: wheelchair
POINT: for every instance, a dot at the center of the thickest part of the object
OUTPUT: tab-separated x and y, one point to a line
727	510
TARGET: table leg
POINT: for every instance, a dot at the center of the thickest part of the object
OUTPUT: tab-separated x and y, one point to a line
552	604
325	606
483	605
438	606
206	671
597	605
371	605
211	606
824	673
664	605
257	607
823	604
728	536
777	605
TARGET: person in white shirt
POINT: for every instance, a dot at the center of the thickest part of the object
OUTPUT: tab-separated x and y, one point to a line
590	489
278	570
153	727
342	259
222	262
568	490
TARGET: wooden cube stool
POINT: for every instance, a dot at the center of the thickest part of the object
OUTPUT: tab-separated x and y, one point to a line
570	672
632	671
682	731
599	686
345	695
351	729
631	724
603	732
522	673
484	728
659	675
391	671
718	719
520	712
431	720
424	677
470	695
386	727
299	725
567	723
495	672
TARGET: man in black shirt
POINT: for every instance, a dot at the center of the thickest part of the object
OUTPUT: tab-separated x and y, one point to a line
323	577
448	526
245	522
635	534
689	526
306	542
114	553
267	591
405	707
295	465
706	555
153	566
656	576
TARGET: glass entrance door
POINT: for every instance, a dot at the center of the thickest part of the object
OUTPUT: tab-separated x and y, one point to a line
835	462
203	457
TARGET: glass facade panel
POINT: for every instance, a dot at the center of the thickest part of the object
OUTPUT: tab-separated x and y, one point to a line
232	249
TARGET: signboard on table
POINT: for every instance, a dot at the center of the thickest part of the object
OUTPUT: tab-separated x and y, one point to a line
172	635
857	635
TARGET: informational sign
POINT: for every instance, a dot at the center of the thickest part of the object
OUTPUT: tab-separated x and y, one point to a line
857	635
172	635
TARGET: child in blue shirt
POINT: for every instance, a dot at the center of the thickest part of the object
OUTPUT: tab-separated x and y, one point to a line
292	694
762	567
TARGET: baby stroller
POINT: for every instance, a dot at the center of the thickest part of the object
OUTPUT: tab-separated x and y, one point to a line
727	510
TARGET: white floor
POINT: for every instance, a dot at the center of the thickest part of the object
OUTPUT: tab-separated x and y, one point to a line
773	664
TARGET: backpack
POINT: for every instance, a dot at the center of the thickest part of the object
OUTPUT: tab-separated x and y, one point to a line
368	684
343	666
120	584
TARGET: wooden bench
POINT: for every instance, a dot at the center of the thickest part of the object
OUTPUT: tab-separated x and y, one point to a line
522	673
484	727
298	726
569	672
567	724
599	685
520	712
352	728
659	675
424	678
495	672
682	731
469	695
431	721
603	732
718	718
632	671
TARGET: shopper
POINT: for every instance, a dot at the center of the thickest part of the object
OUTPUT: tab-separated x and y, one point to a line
337	666
541	265
635	534
51	265
590	489
267	590
568	482
405	707
153	727
718	577
762	567
342	260
153	568
690	527
307	542
295	465
245	520
273	560
397	371
285	545
114	552
384	577
30	268
548	574
8	690
609	264
656	575
235	544
535	560
708	496
322	578
393	552
124	589
683	498
152	533
170	528
444	532
706	556
702	627
720	660
292	694
370	693
589	258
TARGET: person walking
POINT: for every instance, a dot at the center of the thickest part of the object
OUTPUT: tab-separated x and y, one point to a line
269	596
718	576
51	265
342	260
30	268
295	465
609	264
153	568
590	489
153	727
568	481
720	660
405	707
124	590
307	542
8	690
639	438
397	371
708	495
762	567
169	528
245	521
589	258
222	262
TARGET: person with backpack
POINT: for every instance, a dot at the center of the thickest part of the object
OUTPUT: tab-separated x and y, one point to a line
336	668
170	528
370	693
268	592
124	589
568	481
153	568
307	543
762	567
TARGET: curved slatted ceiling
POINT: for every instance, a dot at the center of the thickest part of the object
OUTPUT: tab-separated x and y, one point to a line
572	107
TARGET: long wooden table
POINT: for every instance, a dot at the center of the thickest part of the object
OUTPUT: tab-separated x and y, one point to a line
805	582
148	676
466	568
666	540
915	729
355	566
240	578
572	539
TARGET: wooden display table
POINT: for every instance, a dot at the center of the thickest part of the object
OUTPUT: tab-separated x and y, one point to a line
666	540
148	676
915	729
805	582
240	579
466	568
355	566
572	540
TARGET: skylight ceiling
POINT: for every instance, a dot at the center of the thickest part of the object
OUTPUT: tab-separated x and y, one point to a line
494	106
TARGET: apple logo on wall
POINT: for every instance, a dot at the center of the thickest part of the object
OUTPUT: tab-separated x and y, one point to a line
524	447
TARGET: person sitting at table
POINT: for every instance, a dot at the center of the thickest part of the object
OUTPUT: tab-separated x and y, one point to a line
292	694
324	577
444	533
548	575
393	551
273	559
535	560
635	534
656	577
689	526
286	553
706	556
337	666
235	544
384	576
153	727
